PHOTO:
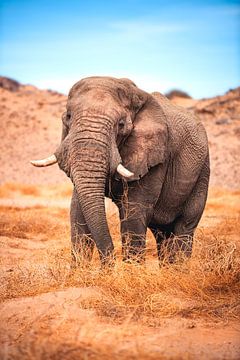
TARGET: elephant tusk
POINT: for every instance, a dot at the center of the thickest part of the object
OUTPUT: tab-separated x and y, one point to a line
44	162
124	172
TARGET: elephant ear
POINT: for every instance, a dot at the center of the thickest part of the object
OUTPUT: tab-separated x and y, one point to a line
65	126
146	146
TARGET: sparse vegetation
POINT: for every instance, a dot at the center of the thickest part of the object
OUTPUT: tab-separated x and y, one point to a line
129	300
213	269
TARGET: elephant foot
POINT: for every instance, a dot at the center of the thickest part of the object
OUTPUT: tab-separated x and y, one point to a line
176	249
108	260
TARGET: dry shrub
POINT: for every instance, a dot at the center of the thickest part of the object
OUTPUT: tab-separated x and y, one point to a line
177	93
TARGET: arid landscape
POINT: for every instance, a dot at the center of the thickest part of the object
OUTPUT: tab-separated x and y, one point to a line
48	310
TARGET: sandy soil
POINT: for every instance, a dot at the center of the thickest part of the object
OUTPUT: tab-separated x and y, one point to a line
61	312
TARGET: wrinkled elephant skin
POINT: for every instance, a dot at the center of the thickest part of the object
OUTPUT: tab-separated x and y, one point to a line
145	153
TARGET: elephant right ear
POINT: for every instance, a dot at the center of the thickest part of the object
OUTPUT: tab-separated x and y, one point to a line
65	127
146	146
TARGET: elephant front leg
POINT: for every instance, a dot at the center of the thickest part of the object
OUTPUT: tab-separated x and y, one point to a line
133	231
82	242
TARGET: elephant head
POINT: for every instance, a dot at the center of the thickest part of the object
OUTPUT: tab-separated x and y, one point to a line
110	126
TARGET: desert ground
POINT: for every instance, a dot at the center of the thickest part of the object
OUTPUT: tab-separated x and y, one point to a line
48	310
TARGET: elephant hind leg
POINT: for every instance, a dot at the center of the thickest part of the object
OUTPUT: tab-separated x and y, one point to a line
179	237
185	225
178	247
170	246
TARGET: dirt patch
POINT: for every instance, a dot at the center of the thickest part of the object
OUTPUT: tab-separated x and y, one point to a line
56	324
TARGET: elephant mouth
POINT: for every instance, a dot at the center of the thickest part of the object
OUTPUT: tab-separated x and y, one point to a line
52	159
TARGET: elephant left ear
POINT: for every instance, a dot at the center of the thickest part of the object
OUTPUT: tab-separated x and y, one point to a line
146	146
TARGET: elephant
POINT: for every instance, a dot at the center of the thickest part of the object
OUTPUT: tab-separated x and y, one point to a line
147	154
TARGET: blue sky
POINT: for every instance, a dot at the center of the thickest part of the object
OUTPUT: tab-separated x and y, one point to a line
158	44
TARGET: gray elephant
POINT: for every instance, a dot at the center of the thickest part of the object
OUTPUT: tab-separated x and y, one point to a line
149	156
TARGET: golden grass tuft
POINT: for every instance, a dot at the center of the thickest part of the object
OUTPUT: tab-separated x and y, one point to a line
30	222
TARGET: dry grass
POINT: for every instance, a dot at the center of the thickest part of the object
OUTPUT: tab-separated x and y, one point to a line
29	223
208	284
8	189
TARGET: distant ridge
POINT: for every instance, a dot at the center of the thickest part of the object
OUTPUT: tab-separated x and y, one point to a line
9	84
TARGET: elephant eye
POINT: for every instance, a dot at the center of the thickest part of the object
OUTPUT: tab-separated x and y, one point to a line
121	123
66	118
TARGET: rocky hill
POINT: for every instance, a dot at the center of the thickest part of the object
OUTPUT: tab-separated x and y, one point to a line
31	129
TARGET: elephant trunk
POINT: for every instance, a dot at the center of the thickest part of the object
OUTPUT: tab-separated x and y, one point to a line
90	166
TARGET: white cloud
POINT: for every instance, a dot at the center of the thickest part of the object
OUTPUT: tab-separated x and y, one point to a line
62	84
145	82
